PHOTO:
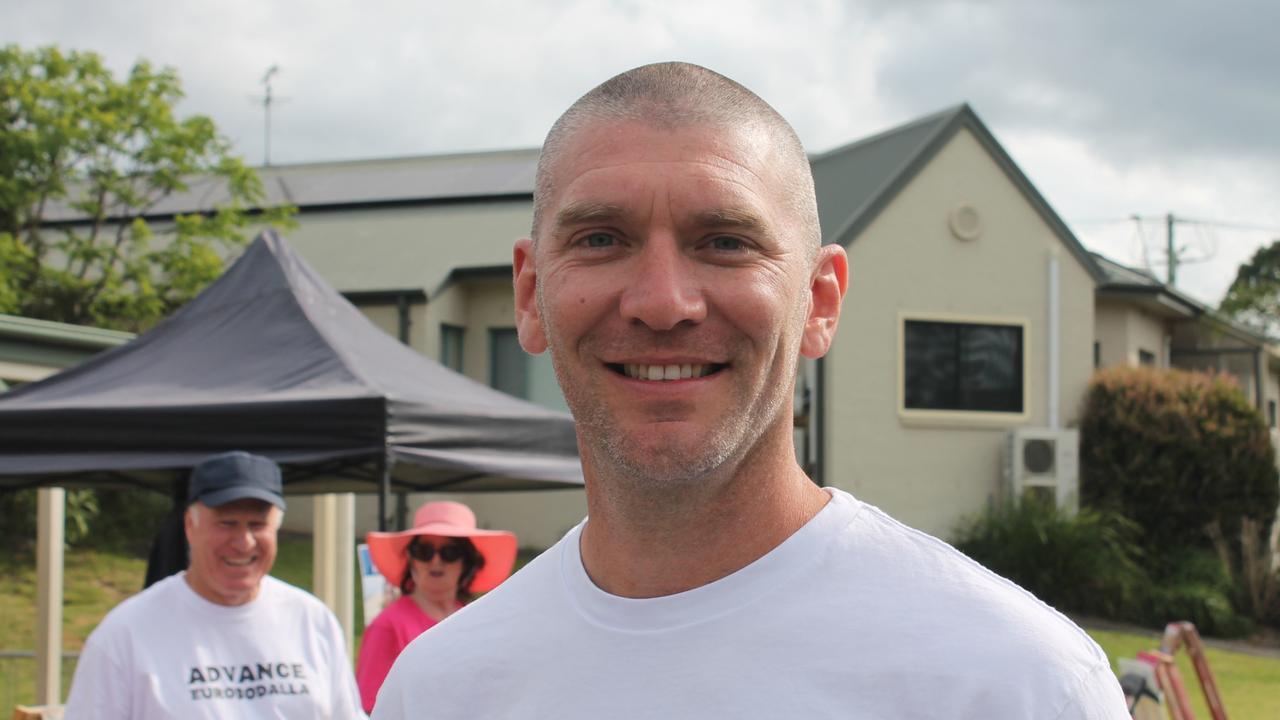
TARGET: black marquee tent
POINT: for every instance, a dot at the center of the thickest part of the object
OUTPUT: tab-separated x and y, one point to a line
271	359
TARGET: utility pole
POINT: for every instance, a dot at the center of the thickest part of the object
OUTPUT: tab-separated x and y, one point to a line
266	115
1172	252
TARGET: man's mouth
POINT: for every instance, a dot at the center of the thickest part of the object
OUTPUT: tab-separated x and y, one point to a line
243	562
664	373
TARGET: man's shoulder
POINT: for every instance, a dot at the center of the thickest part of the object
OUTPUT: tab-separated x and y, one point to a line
295	600
939	587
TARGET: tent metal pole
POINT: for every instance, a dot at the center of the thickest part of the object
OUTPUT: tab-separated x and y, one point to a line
384	491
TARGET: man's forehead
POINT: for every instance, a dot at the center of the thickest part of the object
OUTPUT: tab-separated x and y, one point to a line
735	161
244	506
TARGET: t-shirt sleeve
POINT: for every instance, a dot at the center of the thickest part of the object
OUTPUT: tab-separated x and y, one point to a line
378	650
100	687
1099	698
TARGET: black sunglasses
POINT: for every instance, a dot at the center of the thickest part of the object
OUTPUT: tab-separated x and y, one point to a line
450	553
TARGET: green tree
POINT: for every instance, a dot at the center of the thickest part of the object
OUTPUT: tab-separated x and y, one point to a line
85	158
1254	296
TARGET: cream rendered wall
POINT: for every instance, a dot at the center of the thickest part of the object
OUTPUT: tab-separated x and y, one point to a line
408	247
930	473
1111	333
490	305
1123	329
449	307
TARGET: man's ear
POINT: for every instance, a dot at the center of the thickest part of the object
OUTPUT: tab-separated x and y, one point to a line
524	278
826	291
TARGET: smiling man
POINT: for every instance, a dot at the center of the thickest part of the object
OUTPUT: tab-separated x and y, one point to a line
223	639
675	272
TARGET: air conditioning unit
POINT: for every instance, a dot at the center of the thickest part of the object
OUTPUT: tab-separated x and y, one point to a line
1043	462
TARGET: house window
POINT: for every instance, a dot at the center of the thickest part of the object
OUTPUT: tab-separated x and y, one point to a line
1097	355
1146	358
508	363
962	366
1271	413
451	337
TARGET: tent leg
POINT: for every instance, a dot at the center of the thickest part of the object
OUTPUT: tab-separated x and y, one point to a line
384	492
333	559
345	570
402	510
322	560
50	534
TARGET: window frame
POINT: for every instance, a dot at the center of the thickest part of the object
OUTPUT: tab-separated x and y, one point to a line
494	332
461	330
964	417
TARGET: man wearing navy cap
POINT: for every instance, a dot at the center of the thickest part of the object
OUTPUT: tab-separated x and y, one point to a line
222	639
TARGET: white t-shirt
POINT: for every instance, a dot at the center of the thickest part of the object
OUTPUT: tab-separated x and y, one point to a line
853	616
169	653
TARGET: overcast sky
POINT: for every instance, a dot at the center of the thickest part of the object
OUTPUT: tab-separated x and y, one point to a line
1113	109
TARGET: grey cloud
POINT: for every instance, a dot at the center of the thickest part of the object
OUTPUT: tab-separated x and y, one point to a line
1132	79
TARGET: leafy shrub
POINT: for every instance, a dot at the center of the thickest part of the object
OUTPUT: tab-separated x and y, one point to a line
1093	564
127	519
18	518
1176	451
1195	587
1090	563
118	519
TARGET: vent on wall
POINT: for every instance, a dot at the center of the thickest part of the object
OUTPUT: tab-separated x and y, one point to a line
1043	462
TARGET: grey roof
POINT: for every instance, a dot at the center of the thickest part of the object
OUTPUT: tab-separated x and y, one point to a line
856	181
1123	280
405	180
853	180
46	331
1116	275
1146	289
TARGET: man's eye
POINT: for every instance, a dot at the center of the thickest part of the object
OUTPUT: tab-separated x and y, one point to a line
599	240
727	242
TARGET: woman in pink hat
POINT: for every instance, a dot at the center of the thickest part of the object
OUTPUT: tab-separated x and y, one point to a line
437	564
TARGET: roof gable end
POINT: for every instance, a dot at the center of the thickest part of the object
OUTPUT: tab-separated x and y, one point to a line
854	183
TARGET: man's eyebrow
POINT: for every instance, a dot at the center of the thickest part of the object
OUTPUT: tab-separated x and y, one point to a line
581	213
730	218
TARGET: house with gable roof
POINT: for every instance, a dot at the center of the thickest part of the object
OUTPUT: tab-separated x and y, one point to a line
970	312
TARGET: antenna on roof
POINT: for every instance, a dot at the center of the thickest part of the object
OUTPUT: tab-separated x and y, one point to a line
267	99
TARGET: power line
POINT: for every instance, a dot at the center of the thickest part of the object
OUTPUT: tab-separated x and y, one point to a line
1260	227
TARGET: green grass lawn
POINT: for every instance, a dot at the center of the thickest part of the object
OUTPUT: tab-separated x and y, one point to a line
1250	685
96	581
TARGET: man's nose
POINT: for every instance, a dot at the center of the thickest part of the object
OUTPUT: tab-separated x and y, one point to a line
243	539
664	290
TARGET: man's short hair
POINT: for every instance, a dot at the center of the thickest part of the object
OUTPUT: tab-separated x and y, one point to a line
673	95
275	515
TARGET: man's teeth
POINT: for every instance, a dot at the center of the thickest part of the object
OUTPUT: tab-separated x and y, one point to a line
239	563
666	372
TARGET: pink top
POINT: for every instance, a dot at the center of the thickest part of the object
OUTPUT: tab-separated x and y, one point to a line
394	628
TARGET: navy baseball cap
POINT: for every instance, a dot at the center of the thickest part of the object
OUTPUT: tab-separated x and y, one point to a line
226	477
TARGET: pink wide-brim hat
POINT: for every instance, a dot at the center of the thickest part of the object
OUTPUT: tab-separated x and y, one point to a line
389	550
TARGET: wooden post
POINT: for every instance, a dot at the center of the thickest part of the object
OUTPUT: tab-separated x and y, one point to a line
344	570
322	549
334	557
50	534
